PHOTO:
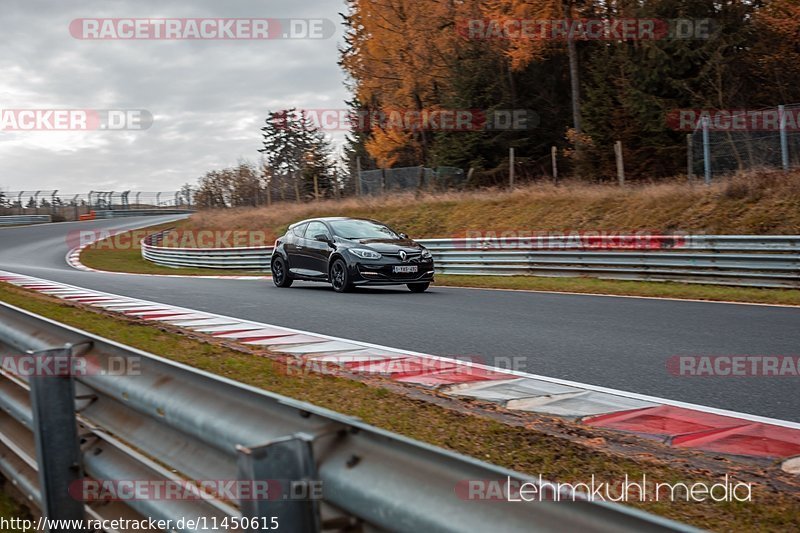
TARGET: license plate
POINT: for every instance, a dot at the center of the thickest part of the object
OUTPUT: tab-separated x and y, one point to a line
411	269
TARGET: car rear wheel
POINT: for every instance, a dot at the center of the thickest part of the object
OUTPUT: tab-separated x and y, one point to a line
280	274
418	287
340	279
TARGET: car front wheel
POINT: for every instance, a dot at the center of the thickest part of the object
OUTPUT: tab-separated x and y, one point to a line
340	278
280	274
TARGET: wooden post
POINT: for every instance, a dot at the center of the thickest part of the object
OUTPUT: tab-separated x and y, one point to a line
316	187
620	163
554	159
511	163
784	138
358	176
706	151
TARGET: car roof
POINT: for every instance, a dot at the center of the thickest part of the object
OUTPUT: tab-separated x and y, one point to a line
328	219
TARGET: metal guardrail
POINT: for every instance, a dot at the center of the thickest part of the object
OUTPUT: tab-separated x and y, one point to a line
13	220
120	213
171	423
738	260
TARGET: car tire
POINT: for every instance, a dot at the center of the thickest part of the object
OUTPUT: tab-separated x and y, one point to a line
418	287
339	276
280	274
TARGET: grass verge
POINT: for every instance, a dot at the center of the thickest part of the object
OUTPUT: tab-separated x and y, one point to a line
10	509
652	289
756	203
123	253
524	447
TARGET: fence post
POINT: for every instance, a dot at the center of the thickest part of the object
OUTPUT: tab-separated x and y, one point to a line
383	180
620	163
358	176
511	162
554	160
706	151
784	138
690	156
293	497
56	435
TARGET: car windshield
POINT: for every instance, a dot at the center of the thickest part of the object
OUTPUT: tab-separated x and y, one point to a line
362	229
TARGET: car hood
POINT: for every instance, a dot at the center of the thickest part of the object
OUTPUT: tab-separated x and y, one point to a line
387	246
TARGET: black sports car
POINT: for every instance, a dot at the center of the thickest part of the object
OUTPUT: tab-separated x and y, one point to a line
347	252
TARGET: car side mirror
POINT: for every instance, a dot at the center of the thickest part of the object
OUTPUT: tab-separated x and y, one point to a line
404	236
322	238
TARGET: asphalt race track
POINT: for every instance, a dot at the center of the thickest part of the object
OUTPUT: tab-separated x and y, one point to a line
621	343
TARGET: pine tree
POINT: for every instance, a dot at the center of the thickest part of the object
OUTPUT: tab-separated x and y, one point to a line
295	148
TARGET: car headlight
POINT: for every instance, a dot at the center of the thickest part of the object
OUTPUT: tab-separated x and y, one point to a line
363	253
426	254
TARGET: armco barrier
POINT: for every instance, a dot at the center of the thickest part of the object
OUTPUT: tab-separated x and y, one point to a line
169	423
738	260
121	213
13	220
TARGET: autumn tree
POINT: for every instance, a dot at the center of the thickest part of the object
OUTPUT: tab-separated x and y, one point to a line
588	93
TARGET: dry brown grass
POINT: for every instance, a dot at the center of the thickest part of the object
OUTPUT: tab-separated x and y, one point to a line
755	203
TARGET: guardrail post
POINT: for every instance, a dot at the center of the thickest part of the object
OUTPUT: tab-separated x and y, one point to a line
55	429
288	465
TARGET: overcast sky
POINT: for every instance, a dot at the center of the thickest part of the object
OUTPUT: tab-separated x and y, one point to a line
209	98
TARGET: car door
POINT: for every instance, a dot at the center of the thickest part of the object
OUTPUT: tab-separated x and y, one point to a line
294	247
317	253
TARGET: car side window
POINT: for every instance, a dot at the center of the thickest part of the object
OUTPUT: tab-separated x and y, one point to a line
317	228
300	230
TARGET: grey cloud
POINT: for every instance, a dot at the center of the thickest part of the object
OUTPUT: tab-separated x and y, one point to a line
209	98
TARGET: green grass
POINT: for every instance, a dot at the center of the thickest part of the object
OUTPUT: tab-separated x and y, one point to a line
651	289
10	508
132	261
556	449
110	256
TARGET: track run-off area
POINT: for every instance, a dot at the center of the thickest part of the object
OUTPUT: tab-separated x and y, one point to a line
615	342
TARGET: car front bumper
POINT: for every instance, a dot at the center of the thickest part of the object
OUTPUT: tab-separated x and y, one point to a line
382	273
